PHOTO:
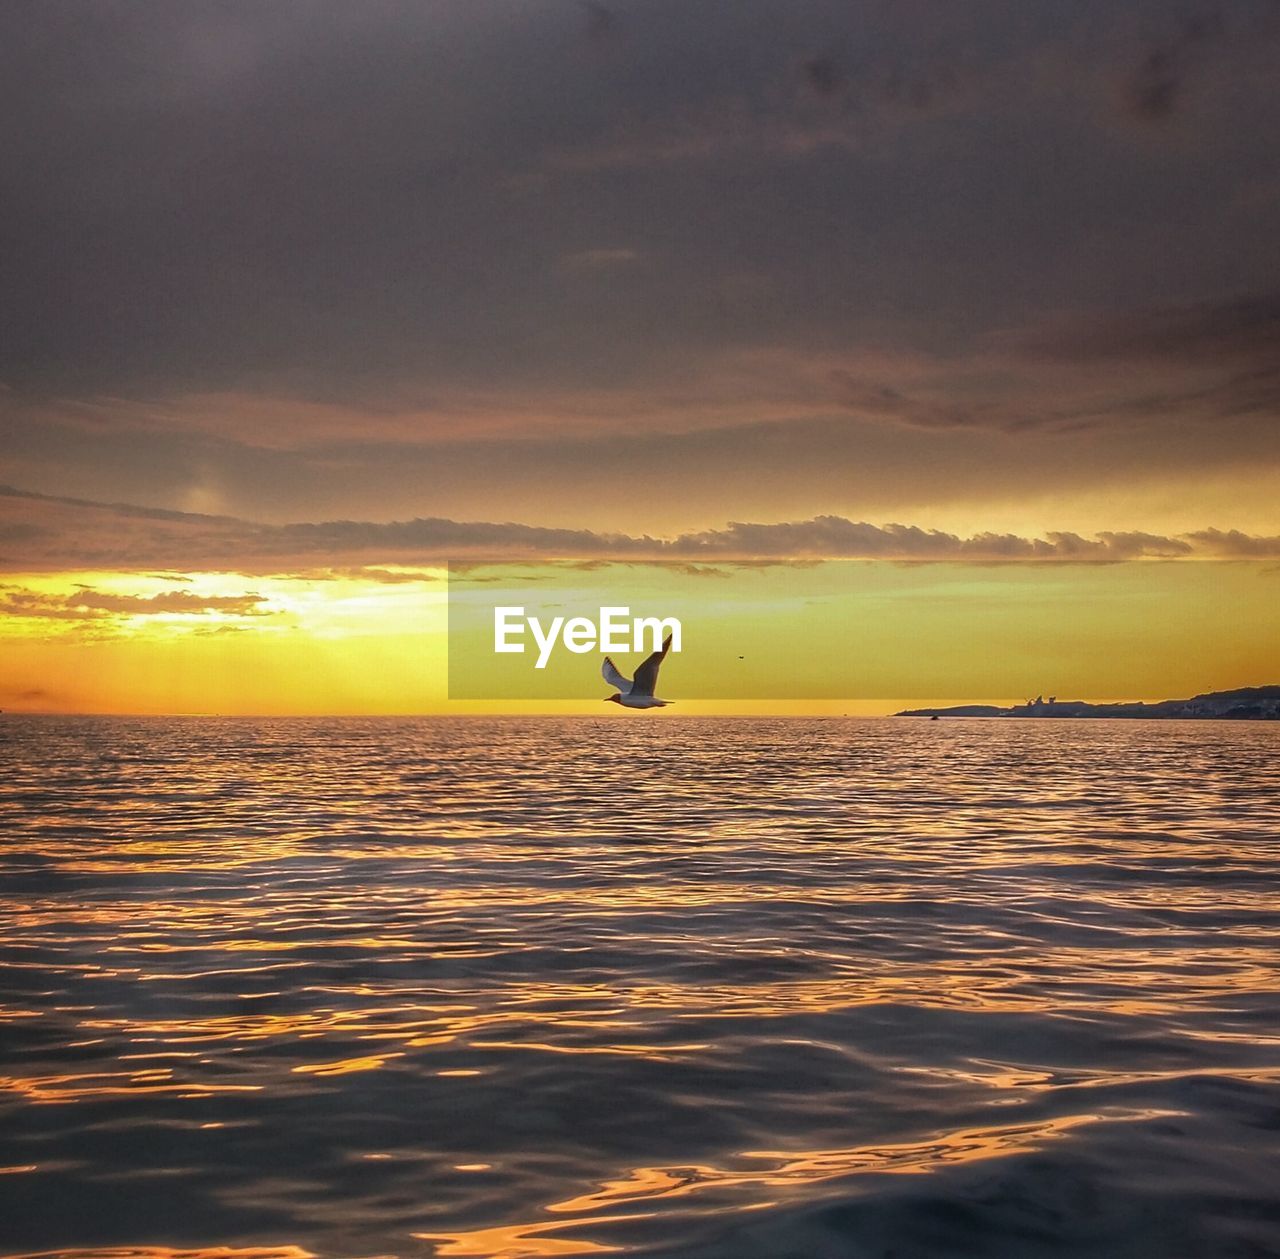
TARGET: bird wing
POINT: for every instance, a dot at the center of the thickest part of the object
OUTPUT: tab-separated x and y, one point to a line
609	671
647	673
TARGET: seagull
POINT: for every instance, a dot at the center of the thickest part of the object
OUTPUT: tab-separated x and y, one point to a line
637	693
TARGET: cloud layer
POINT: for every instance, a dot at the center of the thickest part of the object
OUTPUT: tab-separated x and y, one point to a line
832	257
74	535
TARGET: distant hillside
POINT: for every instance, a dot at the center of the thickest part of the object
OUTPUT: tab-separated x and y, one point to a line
1249	703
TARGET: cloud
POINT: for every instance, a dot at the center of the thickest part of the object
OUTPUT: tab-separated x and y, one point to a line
804	108
1224	331
384	576
1232	544
1185	362
601	20
225	199
1158	84
27	694
362	548
804	260
17	602
1011	432
90	604
168	601
824	75
836	537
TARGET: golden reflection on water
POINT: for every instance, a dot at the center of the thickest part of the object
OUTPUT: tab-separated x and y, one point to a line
428	985
521	1241
791	1168
788	1170
166	1252
76	1088
345	1066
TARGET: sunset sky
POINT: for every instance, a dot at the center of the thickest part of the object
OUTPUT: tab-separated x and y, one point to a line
302	302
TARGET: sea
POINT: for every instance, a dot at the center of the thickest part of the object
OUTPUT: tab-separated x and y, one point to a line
641	986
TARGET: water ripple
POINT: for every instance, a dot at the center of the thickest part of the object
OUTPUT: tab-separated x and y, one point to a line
697	988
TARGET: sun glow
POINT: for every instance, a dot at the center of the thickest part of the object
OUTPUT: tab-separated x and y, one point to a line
360	641
833	638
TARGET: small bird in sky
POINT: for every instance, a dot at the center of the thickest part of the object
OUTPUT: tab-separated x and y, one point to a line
637	693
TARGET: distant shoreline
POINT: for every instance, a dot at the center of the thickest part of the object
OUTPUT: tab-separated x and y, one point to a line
1249	703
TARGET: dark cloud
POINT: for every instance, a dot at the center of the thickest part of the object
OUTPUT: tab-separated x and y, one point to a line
1244	327
338	201
452	261
823	75
1159	83
601	20
1198	361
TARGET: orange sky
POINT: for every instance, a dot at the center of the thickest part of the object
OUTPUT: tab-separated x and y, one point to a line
864	637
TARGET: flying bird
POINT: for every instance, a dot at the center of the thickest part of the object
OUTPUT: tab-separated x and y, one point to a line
637	693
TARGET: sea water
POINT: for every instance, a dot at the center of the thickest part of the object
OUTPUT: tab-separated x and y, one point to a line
714	989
